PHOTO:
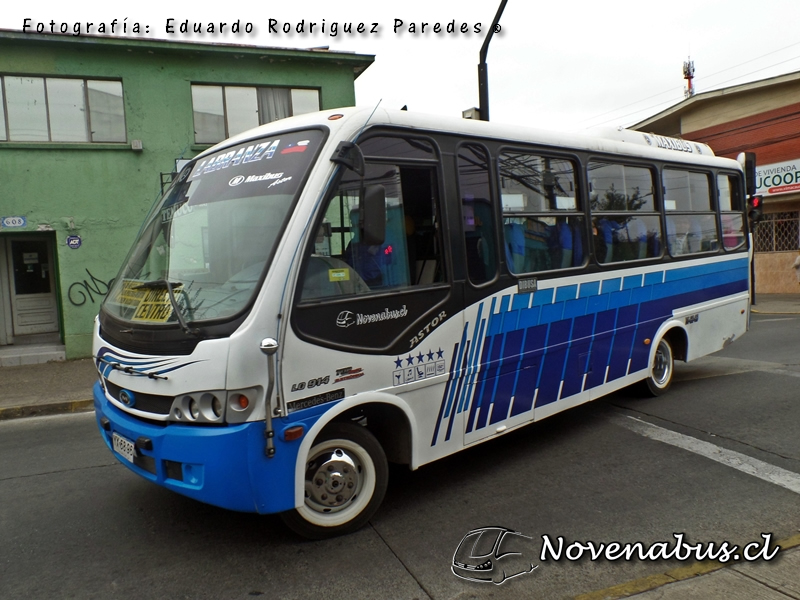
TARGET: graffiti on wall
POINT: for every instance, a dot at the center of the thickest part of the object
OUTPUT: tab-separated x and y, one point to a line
82	291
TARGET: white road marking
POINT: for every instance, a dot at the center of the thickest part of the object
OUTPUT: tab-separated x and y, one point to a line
746	464
773	320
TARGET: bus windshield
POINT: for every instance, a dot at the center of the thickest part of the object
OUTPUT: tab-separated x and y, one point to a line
203	250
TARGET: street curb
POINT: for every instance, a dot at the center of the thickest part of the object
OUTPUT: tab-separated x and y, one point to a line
41	410
637	586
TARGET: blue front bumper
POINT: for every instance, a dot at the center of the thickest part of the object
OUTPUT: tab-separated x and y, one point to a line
224	466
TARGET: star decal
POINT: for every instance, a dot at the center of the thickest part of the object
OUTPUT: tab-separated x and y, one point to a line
410	360
420	357
398	363
440	353
430	355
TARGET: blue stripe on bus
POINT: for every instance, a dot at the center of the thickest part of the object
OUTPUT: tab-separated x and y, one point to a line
578	356
460	381
595	330
632	281
566	292
541	297
521	301
553	365
530	364
489	382
456	361
510	319
623	342
590	288
508	375
445	395
473	363
654	278
475	403
611	285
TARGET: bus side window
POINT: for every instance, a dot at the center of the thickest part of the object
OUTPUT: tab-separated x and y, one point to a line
543	227
691	220
731	207
341	263
477	213
625	223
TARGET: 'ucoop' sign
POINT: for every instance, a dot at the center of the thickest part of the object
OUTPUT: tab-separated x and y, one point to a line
778	178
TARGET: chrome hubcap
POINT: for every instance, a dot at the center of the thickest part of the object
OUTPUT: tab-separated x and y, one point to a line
662	366
333	478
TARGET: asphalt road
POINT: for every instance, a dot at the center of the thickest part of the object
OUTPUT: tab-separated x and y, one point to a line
76	524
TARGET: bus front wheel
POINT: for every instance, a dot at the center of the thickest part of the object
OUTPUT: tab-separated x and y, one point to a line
661	369
345	480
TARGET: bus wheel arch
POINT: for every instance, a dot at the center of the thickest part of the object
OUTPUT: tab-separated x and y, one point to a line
346	476
671	345
390	426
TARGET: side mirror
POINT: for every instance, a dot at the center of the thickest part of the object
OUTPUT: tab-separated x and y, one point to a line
373	215
349	155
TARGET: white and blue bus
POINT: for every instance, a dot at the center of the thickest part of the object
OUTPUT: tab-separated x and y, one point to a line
325	294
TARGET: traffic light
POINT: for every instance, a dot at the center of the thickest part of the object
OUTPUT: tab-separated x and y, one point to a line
754	209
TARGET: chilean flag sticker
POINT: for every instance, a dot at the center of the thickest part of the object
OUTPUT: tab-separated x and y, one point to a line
298	147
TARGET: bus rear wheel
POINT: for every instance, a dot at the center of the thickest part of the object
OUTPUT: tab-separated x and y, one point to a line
661	369
345	481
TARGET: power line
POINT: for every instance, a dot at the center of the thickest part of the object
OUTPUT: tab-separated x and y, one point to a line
707	77
757	71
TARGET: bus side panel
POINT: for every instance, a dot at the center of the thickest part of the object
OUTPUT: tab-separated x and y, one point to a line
569	349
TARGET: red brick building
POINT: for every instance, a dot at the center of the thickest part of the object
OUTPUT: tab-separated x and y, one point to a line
761	117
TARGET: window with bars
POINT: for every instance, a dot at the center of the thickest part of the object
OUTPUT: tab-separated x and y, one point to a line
778	232
54	109
221	111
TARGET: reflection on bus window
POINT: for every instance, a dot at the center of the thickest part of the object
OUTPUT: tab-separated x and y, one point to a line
620	238
625	225
341	263
620	188
477	213
543	228
731	205
691	221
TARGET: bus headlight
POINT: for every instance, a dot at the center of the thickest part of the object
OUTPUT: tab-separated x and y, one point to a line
194	409
215	407
199	407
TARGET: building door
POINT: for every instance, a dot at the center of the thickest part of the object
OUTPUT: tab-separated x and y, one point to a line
32	286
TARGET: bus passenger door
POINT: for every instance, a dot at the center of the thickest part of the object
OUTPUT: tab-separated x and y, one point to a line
489	395
374	310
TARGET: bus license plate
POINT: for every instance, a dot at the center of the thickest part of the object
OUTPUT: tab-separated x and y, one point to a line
123	447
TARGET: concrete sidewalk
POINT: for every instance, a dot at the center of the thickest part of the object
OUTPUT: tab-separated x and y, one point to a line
46	389
777	304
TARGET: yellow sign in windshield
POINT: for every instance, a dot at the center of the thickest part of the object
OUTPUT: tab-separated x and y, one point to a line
151	304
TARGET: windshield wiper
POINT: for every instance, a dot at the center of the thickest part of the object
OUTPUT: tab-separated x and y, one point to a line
130	370
163	283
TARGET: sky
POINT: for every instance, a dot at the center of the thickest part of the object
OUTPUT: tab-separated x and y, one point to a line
559	65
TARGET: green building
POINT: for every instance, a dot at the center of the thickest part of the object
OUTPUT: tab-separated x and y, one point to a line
91	128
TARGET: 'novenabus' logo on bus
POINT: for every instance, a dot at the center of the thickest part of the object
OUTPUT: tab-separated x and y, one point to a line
236	180
345	319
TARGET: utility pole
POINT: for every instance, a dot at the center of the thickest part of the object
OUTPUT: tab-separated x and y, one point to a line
483	74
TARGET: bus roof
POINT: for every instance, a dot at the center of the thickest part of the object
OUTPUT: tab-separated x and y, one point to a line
346	123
